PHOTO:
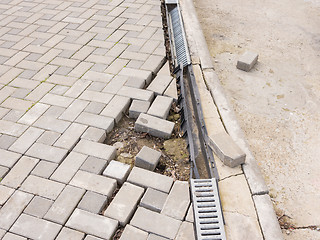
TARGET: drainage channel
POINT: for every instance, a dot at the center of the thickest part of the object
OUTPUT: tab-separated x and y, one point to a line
209	222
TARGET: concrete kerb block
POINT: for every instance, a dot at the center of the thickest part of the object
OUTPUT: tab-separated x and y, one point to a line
247	61
147	158
138	107
226	149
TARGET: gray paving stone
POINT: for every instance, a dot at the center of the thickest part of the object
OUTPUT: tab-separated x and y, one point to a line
77	88
94	149
13	208
247	61
19	172
44	169
159	84
93	224
124	203
186	232
150	221
160	107
154	126
95	183
11	236
171	91
117	170
35	228
94	134
11	128
92	202
153	200
48	138
116	107
38	207
135	82
94	96
147	158
74	110
115	84
135	93
153	63
94	165
178	201
54	112
6	141
69	234
56	100
189	217
95	107
145	178
7	158
5	193
2	233
144	74
51	124
133	233
71	136
138	107
42	187
45	152
98	121
68	168
64	205
24	142
3	171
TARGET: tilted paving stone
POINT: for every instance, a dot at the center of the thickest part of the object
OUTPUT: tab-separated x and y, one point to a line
94	134
93	202
178	201
64	205
94	120
155	237
117	170
171	91
159	84
93	224
124	203
150	221
71	136
11	128
44	169
95	183
42	187
153	63
69	234
5	193
13	208
19	172
147	158
186	232
146	178
98	150
153	200
133	233
134	93
34	113
94	165
74	110
137	107
116	108
38	207
11	236
51	124
45	152
35	228
160	107
7	158
154	126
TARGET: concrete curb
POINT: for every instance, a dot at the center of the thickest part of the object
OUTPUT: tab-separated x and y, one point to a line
198	47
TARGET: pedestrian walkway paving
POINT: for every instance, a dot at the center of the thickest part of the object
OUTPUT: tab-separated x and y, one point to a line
69	71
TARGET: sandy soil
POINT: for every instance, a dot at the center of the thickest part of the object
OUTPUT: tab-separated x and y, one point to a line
278	102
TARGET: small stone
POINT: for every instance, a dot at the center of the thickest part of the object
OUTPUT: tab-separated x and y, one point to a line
147	158
118	145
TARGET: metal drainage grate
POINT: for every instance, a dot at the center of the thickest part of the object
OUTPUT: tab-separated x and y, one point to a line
209	221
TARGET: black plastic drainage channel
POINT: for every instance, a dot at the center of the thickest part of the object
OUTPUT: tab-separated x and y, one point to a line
208	216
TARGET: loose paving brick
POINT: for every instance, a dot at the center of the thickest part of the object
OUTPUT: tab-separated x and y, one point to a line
7	158
134	93
93	202
94	134
19	172
5	193
153	200
64	205
95	183
98	121
247	61
124	203
93	224
69	234
159	84
160	107
45	152
38	207
116	108
147	158
138	107
150	221
94	165
35	228
71	136
133	233
146	178
154	126
117	170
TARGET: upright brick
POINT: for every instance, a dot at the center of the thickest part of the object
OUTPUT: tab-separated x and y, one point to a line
147	158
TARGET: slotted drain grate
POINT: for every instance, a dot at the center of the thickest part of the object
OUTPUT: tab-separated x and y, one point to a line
209	221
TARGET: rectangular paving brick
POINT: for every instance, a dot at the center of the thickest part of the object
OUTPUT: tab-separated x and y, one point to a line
74	110
116	107
160	84
39	91
95	120
38	207
52	124
94	134
69	234
146	75
12	236
133	233
33	114
56	100
71	136
124	203
153	63
160	107
12	129
5	193
115	84
35	228
93	224
42	187
64	205
93	202
8	158
46	152
77	88
153	200
134	93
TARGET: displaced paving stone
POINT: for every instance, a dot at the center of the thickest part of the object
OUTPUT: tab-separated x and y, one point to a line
69	234
64	205
42	187
226	149
5	193
13	208
186	232
171	91
135	82
124	203
132	233
35	228
11	236
19	172
38	207
154	126
98	150
151	221
159	84
116	107
71	136
178	201
147	75
92	202
138	107
94	165
135	93
7	158
44	169
117	170
94	134
147	158
160	107
145	178
155	237
95	183
247	61
45	152
97	121
153	200
93	224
